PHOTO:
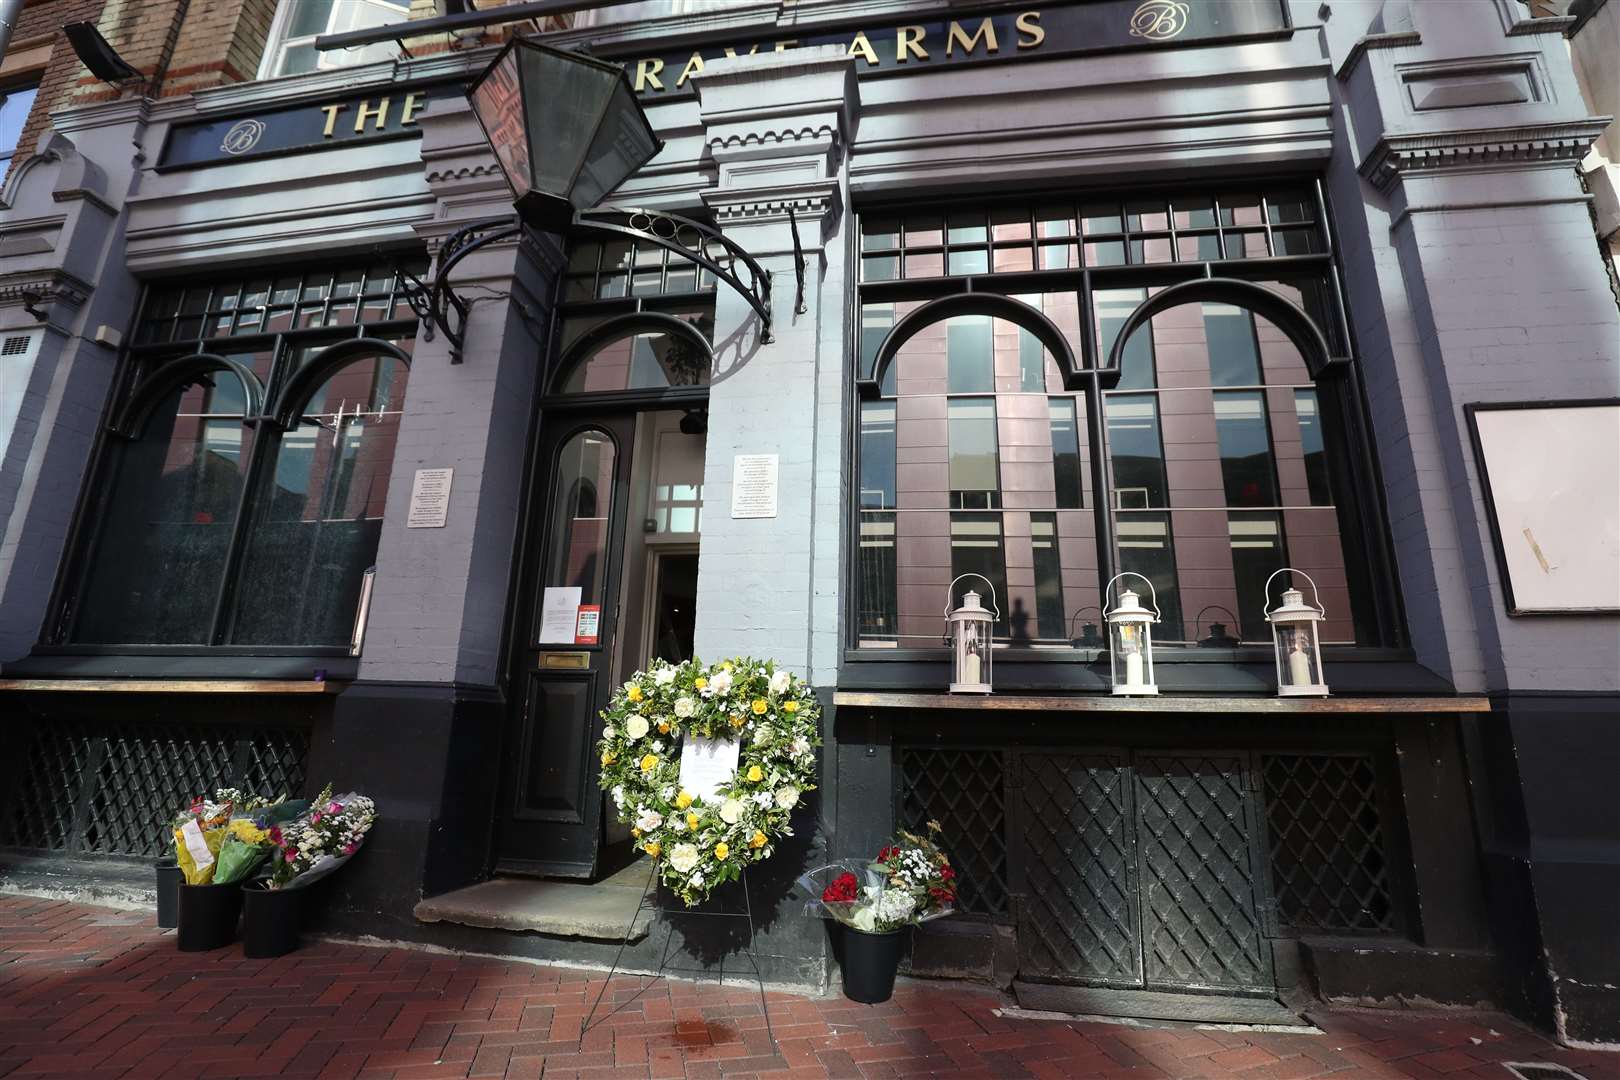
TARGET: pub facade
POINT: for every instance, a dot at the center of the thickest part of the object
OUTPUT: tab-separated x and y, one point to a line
326	468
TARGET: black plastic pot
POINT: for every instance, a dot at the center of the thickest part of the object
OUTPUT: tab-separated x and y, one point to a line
870	961
270	921
169	879
208	916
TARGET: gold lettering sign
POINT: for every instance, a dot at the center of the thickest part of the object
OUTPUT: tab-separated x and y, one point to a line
1159	20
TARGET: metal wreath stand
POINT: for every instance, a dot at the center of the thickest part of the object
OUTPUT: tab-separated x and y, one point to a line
664	966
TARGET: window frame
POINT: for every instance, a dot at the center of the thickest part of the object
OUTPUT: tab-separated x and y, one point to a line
1352	465
143	372
276	43
28	82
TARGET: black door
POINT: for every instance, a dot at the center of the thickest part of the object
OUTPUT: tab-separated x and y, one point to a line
567	610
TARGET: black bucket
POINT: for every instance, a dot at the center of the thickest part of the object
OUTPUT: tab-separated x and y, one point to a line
870	961
208	916
269	921
169	879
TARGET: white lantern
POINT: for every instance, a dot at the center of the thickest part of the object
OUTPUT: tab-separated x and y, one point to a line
1130	639
967	631
1293	632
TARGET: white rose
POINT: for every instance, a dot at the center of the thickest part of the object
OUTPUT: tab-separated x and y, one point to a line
677	824
664	676
731	811
787	797
685	707
762	799
668	793
721	683
697	880
618	794
762	737
801	746
636	726
649	819
683	857
609	733
780	681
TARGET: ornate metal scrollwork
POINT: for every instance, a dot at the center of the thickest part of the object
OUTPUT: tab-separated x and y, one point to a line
443	311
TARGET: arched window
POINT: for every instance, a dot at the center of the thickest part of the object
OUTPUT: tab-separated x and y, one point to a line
170	516
648	360
318	514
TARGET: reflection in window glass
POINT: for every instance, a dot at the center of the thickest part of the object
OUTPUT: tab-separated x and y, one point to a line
976	549
1257	552
1113	307
1051	626
1031	363
877	615
973	443
1247	469
1234	358
1310	437
1067	479
876	322
1146	548
647	361
316	525
877	455
970	355
582	507
168	525
14	107
1137	452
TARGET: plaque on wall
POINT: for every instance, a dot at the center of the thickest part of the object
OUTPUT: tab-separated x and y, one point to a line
430	499
753	486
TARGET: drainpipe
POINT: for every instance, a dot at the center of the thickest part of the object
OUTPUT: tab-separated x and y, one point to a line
10	10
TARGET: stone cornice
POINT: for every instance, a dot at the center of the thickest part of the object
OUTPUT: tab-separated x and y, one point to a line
45	286
766	205
1437	153
1359	50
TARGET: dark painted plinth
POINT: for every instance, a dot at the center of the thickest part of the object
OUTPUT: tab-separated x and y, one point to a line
1548	791
1362	971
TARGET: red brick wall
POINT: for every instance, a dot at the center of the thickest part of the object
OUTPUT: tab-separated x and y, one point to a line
38	32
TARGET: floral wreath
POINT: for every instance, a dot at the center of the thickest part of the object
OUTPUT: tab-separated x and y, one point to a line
701	842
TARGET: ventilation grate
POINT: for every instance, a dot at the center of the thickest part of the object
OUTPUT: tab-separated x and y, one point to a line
15	346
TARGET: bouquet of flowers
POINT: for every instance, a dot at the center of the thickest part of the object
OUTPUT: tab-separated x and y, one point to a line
316	844
910	882
221	840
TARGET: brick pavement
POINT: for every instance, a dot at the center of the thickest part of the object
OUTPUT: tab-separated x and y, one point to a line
91	992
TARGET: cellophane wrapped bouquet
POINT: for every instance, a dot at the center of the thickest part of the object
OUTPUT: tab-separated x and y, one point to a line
910	882
319	842
225	839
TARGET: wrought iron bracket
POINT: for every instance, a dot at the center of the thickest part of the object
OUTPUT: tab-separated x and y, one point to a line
443	311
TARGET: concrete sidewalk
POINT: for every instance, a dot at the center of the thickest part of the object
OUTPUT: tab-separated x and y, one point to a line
93	992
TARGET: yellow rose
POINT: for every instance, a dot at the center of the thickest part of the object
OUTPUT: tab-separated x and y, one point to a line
721	850
760	705
609	757
649	763
691	821
634	693
755	774
790	706
737	721
757	841
636	833
683	800
726	666
652	848
663	727
701	684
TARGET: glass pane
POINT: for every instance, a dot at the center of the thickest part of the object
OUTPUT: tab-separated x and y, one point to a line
877	455
675	606
1196	212
155	574
1067	478
1137	451
1295	241
880	268
1113	307
976	549
1257	553
651	361
1234	358
1058	257
1050	624
309	17
966	228
1240	210
878	233
1247	469
1100	218
876	322
876	591
926	265
1008	225
582	506
973	453
1312	447
14	109
1146	547
971	261
1146	216
1106	253
923	231
1055	221
1290	206
1198	247
1031	363
317	518
969	345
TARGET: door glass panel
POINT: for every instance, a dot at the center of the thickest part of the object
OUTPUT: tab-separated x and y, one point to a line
674	606
582	506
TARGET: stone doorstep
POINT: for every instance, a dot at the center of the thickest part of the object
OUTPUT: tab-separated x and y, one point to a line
597	912
1156	1005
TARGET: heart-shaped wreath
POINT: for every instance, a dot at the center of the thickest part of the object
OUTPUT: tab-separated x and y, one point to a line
702	840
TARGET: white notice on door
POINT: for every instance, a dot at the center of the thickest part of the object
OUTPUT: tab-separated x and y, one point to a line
753	486
430	499
706	764
559	609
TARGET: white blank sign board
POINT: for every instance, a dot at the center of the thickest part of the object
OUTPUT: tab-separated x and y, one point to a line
1551	476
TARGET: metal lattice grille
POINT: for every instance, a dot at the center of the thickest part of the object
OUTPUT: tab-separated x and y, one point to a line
1328	866
100	789
1078	919
1200	922
964	791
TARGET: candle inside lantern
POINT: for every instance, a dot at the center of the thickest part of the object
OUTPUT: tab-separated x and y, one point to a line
1133	669
1299	665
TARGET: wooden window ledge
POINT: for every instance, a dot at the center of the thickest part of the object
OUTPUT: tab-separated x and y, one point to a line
1167	703
173	686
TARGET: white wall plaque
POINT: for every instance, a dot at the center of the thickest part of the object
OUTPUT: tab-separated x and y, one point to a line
753	486
430	499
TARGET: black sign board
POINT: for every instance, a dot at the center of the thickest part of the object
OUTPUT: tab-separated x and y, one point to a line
380	114
1004	34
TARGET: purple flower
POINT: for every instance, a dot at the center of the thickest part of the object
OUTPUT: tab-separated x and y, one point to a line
335	808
